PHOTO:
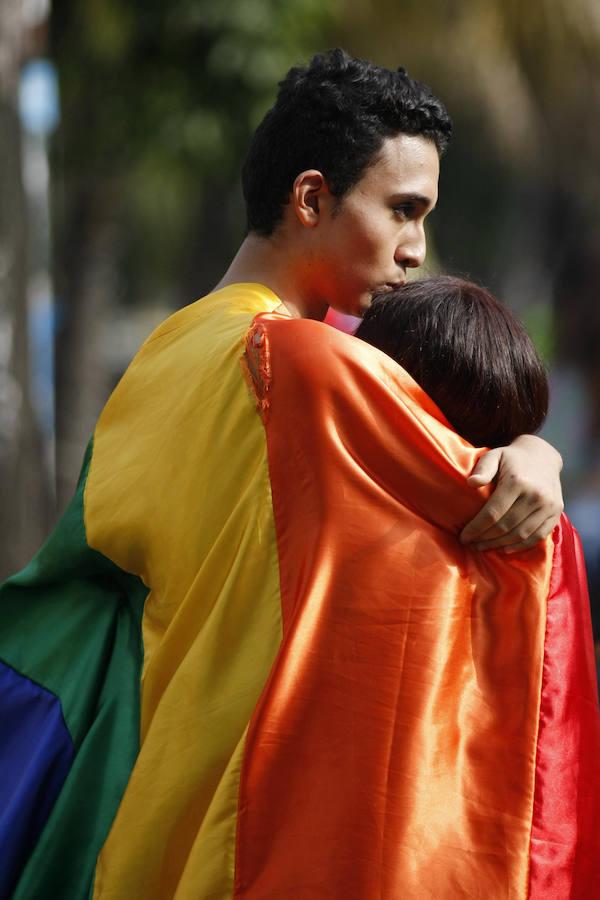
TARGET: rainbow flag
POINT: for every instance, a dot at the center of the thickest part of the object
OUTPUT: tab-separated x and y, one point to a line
254	661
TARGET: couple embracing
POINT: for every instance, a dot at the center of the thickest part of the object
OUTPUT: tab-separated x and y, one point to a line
299	634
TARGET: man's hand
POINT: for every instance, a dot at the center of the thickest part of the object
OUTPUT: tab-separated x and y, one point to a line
527	501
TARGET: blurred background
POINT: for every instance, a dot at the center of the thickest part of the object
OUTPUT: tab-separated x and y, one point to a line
122	128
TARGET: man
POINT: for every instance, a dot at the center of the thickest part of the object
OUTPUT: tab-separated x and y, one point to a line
329	228
170	569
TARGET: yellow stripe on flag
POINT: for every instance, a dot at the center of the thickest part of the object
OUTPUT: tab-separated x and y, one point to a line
179	493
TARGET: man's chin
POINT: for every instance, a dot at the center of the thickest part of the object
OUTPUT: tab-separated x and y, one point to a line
343	321
364	302
355	307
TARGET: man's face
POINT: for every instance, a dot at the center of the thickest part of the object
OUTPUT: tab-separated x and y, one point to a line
376	233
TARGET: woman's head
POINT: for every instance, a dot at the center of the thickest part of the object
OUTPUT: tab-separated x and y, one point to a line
468	352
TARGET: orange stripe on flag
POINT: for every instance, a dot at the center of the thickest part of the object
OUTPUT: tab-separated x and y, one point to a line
392	753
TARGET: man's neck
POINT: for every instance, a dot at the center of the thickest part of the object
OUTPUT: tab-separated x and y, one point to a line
265	261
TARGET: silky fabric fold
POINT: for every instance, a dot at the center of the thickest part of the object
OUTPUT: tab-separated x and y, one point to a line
393	752
565	839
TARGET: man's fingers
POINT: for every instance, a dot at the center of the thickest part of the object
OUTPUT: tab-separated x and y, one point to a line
532	527
515	518
527	498
486	469
503	498
539	534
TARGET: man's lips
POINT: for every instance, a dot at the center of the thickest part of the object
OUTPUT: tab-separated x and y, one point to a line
388	287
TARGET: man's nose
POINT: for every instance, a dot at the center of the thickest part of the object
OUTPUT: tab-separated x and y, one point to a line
410	254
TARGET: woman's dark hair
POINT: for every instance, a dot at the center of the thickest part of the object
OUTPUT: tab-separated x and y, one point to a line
468	352
333	115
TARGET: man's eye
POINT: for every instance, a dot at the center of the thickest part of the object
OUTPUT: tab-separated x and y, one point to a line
405	210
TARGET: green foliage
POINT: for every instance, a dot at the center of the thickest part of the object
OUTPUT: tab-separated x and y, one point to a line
160	99
539	322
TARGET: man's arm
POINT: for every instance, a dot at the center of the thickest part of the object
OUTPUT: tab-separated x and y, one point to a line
527	502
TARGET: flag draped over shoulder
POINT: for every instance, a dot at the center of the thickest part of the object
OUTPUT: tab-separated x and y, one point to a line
253	660
430	727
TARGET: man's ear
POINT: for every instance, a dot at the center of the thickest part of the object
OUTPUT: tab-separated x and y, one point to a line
308	192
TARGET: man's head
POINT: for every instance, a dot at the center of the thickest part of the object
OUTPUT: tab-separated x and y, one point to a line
468	352
345	133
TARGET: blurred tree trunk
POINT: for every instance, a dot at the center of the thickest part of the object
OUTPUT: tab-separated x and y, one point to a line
577	309
219	223
24	489
85	267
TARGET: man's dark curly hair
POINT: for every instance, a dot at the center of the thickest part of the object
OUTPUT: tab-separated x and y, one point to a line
333	115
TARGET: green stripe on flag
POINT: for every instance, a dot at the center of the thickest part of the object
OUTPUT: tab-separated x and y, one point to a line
71	621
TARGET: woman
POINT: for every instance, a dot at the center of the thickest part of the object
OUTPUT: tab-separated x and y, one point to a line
430	726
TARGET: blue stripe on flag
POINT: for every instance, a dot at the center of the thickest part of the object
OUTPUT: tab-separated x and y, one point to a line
36	752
